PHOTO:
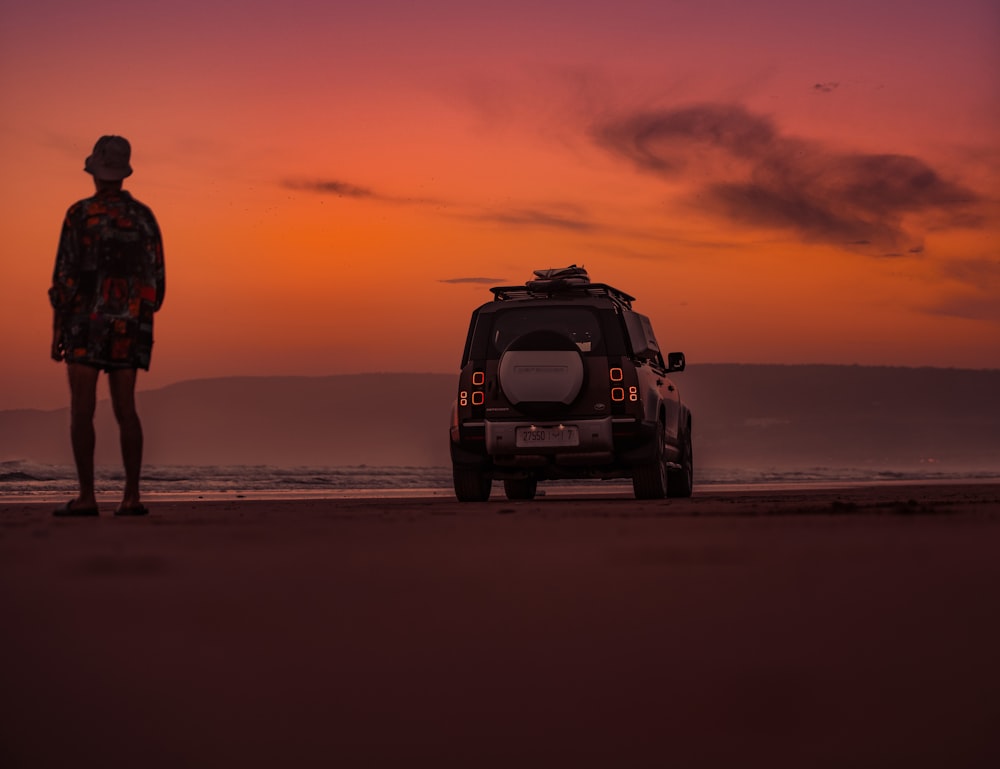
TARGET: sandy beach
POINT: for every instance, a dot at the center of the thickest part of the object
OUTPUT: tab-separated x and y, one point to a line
797	627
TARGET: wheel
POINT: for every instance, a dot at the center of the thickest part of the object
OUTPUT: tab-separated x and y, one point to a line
680	483
649	481
472	484
520	488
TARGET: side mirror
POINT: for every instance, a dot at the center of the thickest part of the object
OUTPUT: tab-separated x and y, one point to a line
675	361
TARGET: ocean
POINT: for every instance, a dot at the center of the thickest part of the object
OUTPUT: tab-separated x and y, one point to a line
27	481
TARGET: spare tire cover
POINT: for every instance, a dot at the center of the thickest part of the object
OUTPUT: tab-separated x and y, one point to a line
541	367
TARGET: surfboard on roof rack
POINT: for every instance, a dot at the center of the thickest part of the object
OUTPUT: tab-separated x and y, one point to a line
571	274
555	279
562	281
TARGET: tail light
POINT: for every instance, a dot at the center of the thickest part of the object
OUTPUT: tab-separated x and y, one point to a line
475	397
621	392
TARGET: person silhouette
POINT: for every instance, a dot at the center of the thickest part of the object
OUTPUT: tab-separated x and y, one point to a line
108	281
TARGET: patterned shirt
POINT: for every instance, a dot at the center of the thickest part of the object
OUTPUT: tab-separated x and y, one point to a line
108	281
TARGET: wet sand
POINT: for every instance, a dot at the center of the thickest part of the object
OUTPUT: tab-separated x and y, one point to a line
775	628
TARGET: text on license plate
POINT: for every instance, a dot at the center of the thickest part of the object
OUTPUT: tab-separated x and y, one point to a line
548	436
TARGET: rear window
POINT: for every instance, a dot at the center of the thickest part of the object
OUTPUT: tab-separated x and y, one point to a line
593	332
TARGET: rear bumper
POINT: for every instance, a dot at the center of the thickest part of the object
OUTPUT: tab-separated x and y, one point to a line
603	442
595	436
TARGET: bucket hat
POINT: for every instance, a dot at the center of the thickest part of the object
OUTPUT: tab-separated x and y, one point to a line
110	159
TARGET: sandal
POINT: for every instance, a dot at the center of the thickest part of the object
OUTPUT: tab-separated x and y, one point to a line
69	510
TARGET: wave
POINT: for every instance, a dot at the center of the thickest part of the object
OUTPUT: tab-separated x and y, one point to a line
28	479
19	478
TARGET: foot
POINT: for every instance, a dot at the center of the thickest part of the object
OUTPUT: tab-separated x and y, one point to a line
135	508
76	508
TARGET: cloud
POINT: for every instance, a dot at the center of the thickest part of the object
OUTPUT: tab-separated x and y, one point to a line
981	273
559	217
747	171
826	87
554	215
526	217
347	190
969	307
484	281
332	187
972	288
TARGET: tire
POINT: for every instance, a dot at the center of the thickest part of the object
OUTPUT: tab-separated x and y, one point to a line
649	481
680	483
520	488
472	484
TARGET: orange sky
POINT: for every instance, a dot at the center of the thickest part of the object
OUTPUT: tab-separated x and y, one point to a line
777	183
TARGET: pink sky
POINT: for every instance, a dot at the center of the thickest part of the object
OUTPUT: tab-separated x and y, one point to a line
777	182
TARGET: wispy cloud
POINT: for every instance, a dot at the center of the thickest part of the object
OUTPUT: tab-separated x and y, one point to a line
982	273
746	170
483	281
532	217
969	307
972	288
558	216
332	187
344	189
552	215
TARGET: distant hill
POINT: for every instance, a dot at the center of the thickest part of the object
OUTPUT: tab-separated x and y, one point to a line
749	416
845	416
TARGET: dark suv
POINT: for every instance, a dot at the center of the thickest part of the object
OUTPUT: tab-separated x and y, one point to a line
562	379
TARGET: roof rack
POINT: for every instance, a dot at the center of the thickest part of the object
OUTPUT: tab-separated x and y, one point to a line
546	289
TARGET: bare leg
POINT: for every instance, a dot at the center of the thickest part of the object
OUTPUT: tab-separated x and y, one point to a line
83	401
122	385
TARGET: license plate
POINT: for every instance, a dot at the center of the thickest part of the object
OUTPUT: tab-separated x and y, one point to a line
547	436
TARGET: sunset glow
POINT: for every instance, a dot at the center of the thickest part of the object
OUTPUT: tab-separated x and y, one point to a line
338	186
